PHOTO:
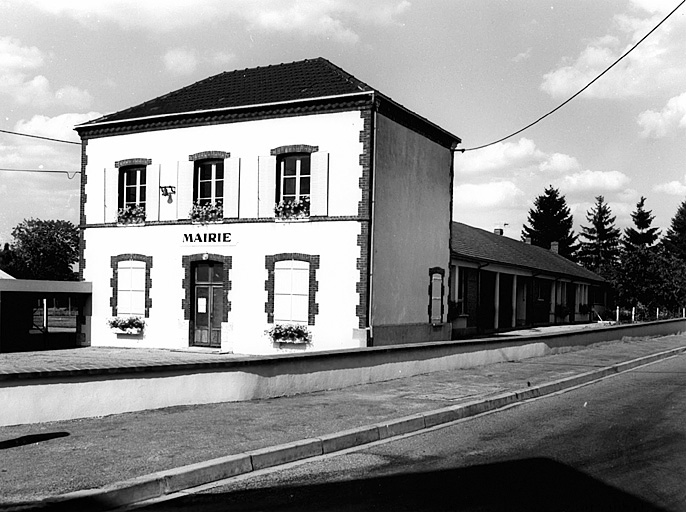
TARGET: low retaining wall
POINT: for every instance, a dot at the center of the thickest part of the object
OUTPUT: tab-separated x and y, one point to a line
74	394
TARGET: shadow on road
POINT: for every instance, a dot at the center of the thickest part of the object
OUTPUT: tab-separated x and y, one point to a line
31	439
522	485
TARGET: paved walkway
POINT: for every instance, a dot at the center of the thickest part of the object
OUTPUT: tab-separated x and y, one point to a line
38	461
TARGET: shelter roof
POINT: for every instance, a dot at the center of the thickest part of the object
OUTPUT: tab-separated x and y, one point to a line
485	247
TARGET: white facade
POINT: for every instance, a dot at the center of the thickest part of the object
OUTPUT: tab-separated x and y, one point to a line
245	239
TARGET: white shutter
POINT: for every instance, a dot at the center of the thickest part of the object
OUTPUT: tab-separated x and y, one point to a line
184	193
152	192
111	193
232	172
266	194
319	183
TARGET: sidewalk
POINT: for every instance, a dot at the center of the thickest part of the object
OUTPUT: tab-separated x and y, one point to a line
45	460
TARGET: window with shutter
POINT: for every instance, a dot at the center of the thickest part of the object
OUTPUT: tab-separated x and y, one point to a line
130	291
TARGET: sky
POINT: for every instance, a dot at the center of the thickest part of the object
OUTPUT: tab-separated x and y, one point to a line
481	69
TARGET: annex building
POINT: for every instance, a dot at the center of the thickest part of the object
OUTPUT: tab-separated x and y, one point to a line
500	284
262	208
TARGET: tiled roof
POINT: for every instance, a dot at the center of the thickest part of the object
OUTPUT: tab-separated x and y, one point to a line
483	246
302	86
306	79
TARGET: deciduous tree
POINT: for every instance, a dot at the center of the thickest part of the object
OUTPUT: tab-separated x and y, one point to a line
45	249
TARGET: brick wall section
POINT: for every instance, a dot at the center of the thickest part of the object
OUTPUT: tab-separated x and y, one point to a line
364	212
82	209
132	161
269	263
148	279
206	155
296	148
187	263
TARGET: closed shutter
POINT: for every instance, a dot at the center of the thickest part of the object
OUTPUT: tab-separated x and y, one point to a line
319	187
152	192
436	291
185	191
232	172
266	195
111	193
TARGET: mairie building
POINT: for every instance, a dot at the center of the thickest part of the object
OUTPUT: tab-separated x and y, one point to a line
276	209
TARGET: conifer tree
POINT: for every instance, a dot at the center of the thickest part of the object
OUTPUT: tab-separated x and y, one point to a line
600	249
551	221
643	236
675	239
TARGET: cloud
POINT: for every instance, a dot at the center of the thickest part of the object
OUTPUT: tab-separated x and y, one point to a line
522	56
599	181
656	64
663	123
500	194
672	188
522	155
180	61
307	18
17	63
559	163
184	61
58	127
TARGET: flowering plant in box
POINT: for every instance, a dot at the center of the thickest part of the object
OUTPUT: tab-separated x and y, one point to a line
293	209
131	214
207	212
290	333
129	325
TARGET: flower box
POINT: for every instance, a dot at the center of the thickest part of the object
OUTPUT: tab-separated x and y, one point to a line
132	325
290	334
289	211
131	215
207	213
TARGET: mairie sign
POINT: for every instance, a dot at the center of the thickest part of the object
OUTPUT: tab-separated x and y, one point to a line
207	236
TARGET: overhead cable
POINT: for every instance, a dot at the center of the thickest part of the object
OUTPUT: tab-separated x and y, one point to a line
41	137
580	91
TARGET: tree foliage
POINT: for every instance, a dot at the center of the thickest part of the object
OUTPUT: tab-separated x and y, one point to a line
600	249
675	239
44	249
551	221
650	278
643	235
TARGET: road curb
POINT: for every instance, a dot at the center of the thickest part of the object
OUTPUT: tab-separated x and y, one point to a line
166	482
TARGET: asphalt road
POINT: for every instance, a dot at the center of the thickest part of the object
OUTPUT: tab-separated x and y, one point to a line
618	444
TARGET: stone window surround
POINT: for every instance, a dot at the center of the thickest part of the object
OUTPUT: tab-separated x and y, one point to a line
187	263
115	278
270	261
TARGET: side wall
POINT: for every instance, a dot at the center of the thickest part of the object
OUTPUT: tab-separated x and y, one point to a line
411	231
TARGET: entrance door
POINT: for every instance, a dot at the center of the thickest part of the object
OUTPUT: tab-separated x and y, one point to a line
208	304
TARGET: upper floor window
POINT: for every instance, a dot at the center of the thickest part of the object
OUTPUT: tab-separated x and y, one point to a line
132	186
208	182
293	177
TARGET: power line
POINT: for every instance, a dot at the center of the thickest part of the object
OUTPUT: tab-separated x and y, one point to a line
43	138
70	174
580	91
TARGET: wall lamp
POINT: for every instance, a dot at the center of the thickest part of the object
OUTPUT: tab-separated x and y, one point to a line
168	191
